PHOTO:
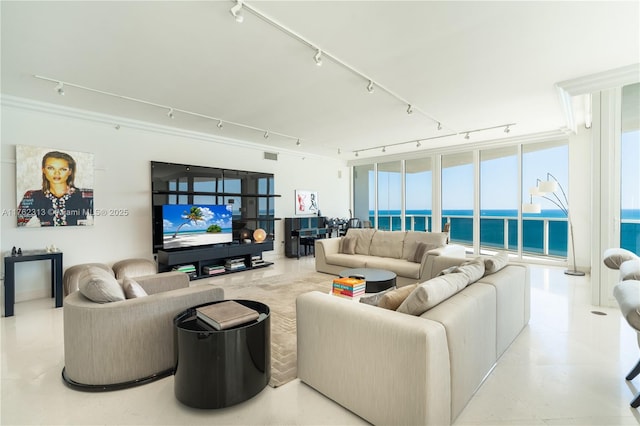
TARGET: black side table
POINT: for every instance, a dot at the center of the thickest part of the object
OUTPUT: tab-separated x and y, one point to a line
220	368
26	256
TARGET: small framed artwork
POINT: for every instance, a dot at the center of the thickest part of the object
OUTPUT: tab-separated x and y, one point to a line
306	202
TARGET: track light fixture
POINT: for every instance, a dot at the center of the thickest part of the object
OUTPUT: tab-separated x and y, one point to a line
339	151
266	135
507	130
170	110
370	86
318	57
409	109
236	11
418	142
439	126
298	142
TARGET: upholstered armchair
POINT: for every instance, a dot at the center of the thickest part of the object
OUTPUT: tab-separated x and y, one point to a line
627	294
128	342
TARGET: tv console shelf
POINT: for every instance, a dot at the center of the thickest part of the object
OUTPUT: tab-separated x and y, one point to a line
213	256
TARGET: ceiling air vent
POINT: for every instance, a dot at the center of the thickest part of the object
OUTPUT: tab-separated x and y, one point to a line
271	156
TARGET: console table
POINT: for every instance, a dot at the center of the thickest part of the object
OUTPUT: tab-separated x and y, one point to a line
27	256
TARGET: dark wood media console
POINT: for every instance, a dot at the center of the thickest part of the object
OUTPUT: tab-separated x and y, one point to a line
214	256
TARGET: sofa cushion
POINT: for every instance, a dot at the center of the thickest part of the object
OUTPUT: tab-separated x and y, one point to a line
614	257
401	267
630	270
132	289
394	298
411	240
432	292
347	260
387	244
363	239
98	285
134	268
421	249
496	262
375	298
348	245
472	269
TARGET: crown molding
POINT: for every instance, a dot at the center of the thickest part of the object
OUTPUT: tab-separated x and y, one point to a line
592	83
119	123
617	77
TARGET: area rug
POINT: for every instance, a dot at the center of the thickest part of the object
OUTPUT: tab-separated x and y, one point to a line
279	293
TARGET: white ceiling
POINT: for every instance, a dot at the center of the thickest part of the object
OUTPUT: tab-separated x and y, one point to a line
469	65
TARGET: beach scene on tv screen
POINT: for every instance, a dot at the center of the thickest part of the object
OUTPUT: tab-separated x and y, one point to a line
196	225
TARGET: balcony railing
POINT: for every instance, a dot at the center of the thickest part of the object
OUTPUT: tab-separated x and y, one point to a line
541	236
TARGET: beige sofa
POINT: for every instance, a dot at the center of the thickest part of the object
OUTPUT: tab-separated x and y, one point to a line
394	368
389	250
119	344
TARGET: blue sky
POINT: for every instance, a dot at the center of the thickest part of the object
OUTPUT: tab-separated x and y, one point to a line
499	183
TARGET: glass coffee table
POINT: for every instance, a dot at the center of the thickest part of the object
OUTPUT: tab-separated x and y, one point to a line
377	280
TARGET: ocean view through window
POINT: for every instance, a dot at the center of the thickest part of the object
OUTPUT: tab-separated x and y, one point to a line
499	218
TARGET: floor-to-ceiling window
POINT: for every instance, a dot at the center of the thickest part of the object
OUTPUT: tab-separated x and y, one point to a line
499	199
363	192
629	170
487	180
458	196
418	194
545	233
389	196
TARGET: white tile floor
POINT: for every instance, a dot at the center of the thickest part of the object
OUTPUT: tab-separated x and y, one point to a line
566	368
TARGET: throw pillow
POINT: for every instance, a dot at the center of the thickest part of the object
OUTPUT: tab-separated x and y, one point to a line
472	269
394	298
432	292
496	262
614	257
132	289
375	298
348	245
98	285
421	249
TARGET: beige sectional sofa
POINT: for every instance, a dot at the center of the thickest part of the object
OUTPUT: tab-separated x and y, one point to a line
392	368
390	250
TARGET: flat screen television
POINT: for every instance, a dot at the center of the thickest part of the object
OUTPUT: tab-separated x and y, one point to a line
190	225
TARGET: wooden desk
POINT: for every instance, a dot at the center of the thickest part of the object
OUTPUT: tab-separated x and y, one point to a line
27	256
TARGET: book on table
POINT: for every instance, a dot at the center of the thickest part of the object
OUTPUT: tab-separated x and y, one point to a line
348	287
227	314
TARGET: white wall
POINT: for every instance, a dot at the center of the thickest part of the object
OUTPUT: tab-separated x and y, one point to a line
122	181
580	170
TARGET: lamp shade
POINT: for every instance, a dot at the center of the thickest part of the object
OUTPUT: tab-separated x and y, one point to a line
531	208
259	235
548	186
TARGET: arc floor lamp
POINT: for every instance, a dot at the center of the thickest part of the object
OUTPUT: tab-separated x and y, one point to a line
551	187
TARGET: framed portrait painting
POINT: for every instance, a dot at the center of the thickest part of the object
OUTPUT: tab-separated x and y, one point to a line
306	202
53	187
